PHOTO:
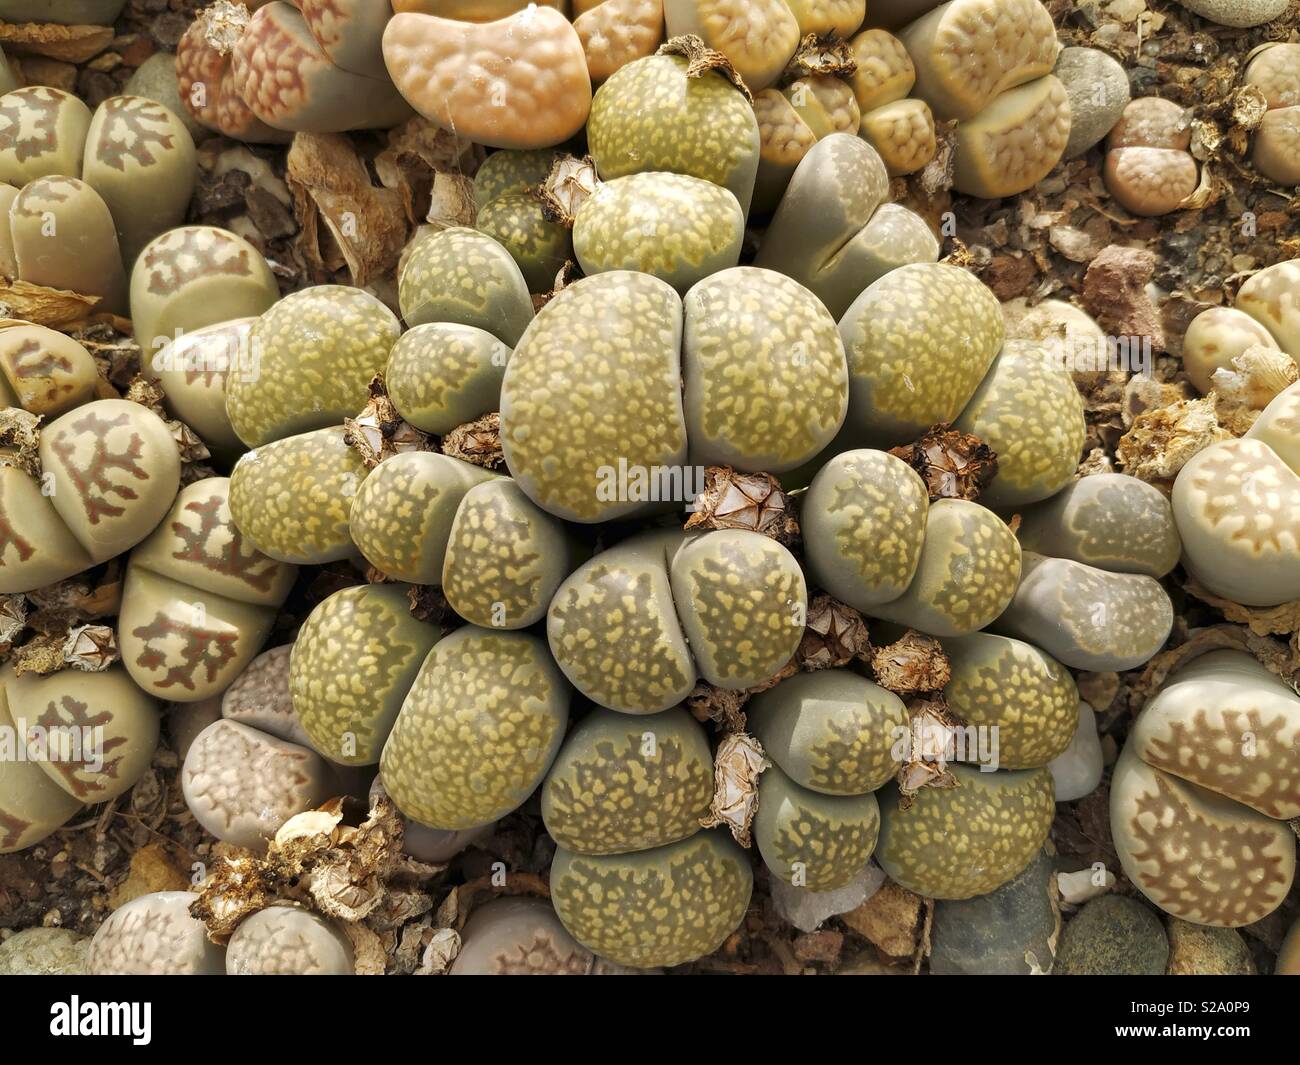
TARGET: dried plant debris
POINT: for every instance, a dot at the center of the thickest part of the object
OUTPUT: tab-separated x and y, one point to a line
752	501
737	765
570	184
1163	439
930	746
478	442
913	665
825	55
91	648
835	635
953	465
380	432
700	59
20	440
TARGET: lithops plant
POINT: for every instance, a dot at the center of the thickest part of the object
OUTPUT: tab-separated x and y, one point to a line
622	783
156	79
1275	71
261	698
465	277
758	37
833	231
1015	142
819	842
955	843
831	732
659	907
198	602
715	133
616	32
63	236
1202	791
309	361
154	935
1086	617
302	67
675	602
111	471
193	277
242	784
1237	506
1237	13
291	499
62	12
1108	520
478	729
354	661
140	158
194	370
1216	337
1270	297
1149	170
539	244
43	371
679	228
402	515
42	134
790	122
505	557
288	941
443	374
518	82
518	937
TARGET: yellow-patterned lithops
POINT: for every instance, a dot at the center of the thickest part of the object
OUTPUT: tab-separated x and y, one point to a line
199	601
444	374
478	730
1203	789
622	783
353	663
664	906
315	352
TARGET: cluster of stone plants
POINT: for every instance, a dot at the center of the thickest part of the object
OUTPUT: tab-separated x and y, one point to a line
697	498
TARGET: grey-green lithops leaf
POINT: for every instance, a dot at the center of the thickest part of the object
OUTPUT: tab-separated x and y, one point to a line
511	171
1028	410
743	604
242	785
830	731
679	228
1014	688
42	133
614	631
288	941
539	245
595	383
443	374
505	557
198	602
463	276
354	661
622	783
518	937
863	522
140	158
311	358
44	371
918	341
1108	520
665	906
766	379
291	498
953	843
478	730
714	131
966	576
193	371
154	935
831	232
401	517
1088	618
192	277
819	842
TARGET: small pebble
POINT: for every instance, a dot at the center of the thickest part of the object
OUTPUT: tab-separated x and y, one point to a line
1113	936
807	910
1077	770
44	952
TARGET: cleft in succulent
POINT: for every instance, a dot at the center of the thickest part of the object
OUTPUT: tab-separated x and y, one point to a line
379	431
477	442
912	665
752	501
700	59
953	464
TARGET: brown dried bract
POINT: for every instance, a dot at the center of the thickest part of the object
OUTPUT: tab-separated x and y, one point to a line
379	432
700	59
55	308
571	182
67	44
952	464
478	442
91	648
720	705
827	55
835	634
930	746
13	619
42	655
752	501
20	440
1162	440
913	665
1282	619
736	768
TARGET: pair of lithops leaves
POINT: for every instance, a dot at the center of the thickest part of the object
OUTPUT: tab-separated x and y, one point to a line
1274	69
1204	788
155	935
68	739
1149	169
312	66
82	194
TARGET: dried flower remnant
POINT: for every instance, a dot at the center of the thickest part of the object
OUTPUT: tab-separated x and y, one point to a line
931	745
835	634
478	442
953	465
752	501
737	765
571	182
914	664
1163	439
379	431
91	648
